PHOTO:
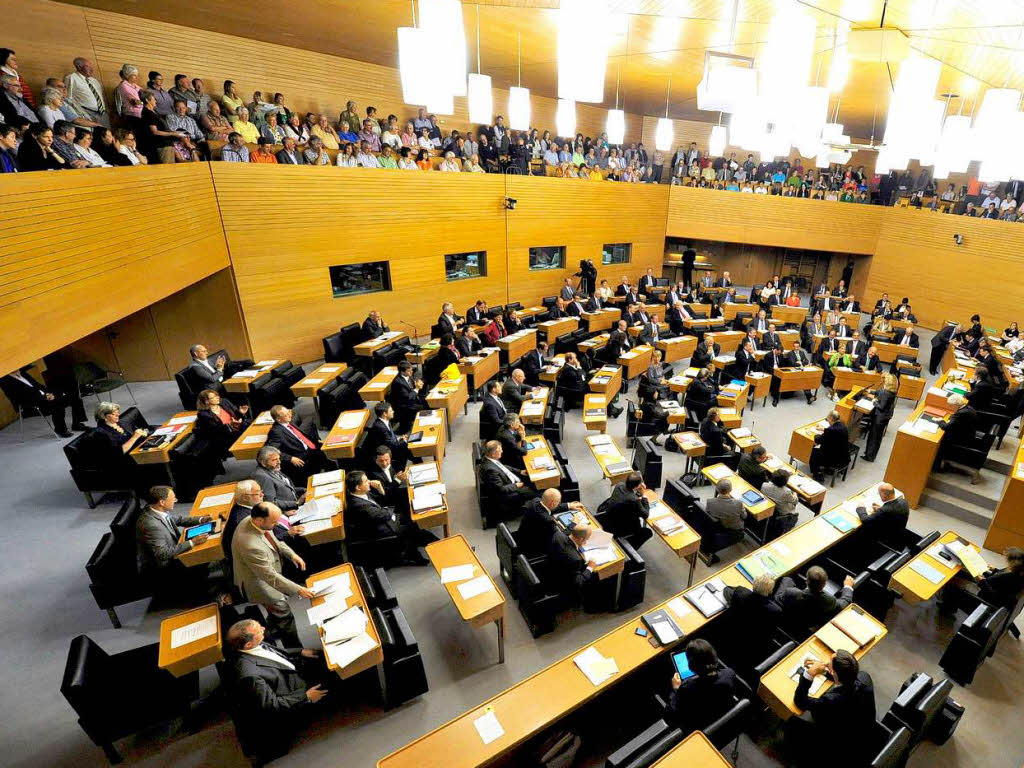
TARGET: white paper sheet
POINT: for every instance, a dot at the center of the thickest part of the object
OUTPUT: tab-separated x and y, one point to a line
455	573
323	478
596	667
329	368
264	418
488	727
332	605
474	587
254	440
216	501
679	607
181	420
328	490
346	625
247	374
430	421
350	420
317	509
194	631
315	526
343	654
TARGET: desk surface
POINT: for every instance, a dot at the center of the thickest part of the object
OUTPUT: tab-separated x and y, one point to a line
318	379
341	441
375	655
684	541
253	437
162	455
614	456
541	477
368	347
695	751
190	656
764	508
914	587
533	409
594	402
480	609
262	369
378	387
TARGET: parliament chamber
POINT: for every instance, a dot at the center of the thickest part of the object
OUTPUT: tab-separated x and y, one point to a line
549	461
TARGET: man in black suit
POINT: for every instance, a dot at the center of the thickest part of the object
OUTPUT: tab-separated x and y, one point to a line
627	509
631	314
477	314
745	361
828	345
750	622
759	323
381	432
493	410
771	340
374	326
676	316
24	390
268	689
705	353
595	303
724	281
809	609
447	352
988	361
650	333
775	358
872	362
571	381
512	436
959	431
514	391
468	342
842	329
367	517
569	569
575	305
689	259
647	282
908	338
836	722
831	447
557	310
448	321
857	350
299	446
797	358
533	362
501	485
624	288
940	342
887	522
537	525
712	433
388	482
406	396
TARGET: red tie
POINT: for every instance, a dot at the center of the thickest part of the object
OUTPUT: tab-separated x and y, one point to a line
305	440
457	355
273	542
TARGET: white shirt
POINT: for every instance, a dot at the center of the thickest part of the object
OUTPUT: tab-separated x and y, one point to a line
449	166
366	160
408	165
508	472
26	381
91	156
81	95
346	161
424	142
129	154
266	653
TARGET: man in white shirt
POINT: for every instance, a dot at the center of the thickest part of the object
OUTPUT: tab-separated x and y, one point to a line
206	374
85	92
23	389
992	199
365	158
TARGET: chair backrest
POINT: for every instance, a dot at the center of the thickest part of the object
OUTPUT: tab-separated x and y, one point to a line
894	751
629	755
679	495
84	672
123	524
728	726
787	648
334	348
514	305
930	707
549	301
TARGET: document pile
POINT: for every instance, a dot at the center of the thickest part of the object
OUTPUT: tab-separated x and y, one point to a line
596	667
430	421
217	500
185	420
264	418
420	474
430	496
966	554
740	432
665	520
806	485
719	471
708	598
350	420
866	405
318	509
857	626
600	547
797	671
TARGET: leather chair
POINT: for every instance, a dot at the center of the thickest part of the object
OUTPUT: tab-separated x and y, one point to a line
538	601
512	306
564	343
974	641
894	751
25	411
974	453
646	748
634	578
508	551
647	460
121	694
404	675
290	373
554	425
378	552
124	522
92	474
635	427
186	392
269	391
729	726
918	707
351	335
570	484
114	577
712	537
753	678
334	348
376	588
380	357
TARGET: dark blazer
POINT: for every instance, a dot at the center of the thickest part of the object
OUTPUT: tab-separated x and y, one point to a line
872	363
833	443
295	159
702	699
857	350
650	333
885	402
445	357
888	524
368	518
468	346
289	445
801	608
713	436
571	379
513	394
701	359
447	324
594	303
626	511
211	430
158	542
961	426
475	316
842	709
381	433
771	340
531	364
842	330
512	450
30	154
631	318
372	330
700	393
646	283
492	413
203	378
33	396
1001	587
113	442
750	623
404	397
498	486
770	362
396	494
566	565
798	358
574	308
982	394
915	342
278	489
536	527
555	312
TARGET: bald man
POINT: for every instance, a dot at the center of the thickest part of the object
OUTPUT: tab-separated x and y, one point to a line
887	522
538	522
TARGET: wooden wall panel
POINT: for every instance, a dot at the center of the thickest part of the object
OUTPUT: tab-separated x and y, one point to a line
46	37
770	220
916	257
83	250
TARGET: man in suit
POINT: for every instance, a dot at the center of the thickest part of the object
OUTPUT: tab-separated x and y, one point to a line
650	333
627	510
374	326
269	690
406	397
857	350
908	338
842	329
567	293
831	447
571	381
751	467
575	305
382	432
257	558
533	362
836	722
829	345
468	342
447	321
647	283
705	353
514	391
570	569
959	431
941	342
277	487
595	303
827	304
557	310
745	361
631	315
712	433
477	314
390	484
809	609
367	518
776	358
248	494
811	330
299	446
493	410
537	525
770	340
840	291
759	323
727	512
624	288
676	316
512	436
26	390
989	362
785	291
289	155
204	373
501	485
724	281
872	362
887	522
750	622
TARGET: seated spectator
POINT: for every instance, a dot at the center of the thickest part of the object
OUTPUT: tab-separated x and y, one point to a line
698	701
366	158
231	102
289	155
108	148
216	126
784	517
296	129
391	136
423	160
193	138
300	448
809	609
369	137
347	157
83	146
128	148
250	132
118	442
315	154
449	164
626	511
346	135
219	422
8	149
51	109
408	136
164	101
235	150
64	145
750	622
405	161
269	691
728	512
323	131
387	158
271	131
501	485
472	165
263	153
424	142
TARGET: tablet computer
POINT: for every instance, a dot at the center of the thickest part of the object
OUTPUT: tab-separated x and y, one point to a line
682	664
565	519
753	497
198	530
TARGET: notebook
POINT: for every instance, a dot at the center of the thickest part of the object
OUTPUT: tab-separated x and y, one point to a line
855	624
662	626
708	598
838	520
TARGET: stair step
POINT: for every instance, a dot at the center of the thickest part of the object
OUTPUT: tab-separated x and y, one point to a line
1001	460
958	485
957	508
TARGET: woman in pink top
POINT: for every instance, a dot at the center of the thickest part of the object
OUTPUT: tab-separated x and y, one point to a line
127	92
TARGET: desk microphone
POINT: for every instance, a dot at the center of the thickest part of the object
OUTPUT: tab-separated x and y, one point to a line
415	333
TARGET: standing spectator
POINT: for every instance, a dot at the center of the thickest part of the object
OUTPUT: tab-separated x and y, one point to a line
371	115
421	121
349	116
164	100
179	121
231	102
9	66
85	92
182	91
128	95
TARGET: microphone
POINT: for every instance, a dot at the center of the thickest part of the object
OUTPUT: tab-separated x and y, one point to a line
415	334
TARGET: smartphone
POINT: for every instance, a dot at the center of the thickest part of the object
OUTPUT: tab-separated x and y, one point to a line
711	588
642	632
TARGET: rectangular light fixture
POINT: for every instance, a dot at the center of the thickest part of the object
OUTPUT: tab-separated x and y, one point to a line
481	103
663	134
414	54
615	127
584	37
565	118
442	20
716	144
519	108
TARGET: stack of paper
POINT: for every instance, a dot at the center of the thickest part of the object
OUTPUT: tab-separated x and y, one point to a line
865	405
315	526
349	420
324	478
254	440
605	450
184	420
473	587
264	418
718	472
318	509
423	473
429	496
857	626
249	373
332	605
311	382
344	653
599	440
972	561
678	607
328	490
740	432
344	626
542	462
668	524
430	421
333	585
329	368
596	667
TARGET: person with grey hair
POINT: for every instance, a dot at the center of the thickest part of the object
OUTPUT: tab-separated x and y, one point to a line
512	436
449	164
270	690
235	150
117	440
50	110
12	102
728	512
365	156
179	121
277	487
776	488
301	455
85	92
203	372
249	493
315	154
68	110
243	125
128	94
958	432
750	623
83	147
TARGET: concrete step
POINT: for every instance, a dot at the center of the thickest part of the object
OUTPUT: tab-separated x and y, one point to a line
1001	460
957	483
957	508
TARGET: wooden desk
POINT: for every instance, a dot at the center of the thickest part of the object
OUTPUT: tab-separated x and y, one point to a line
211	550
734	398
477	611
601	320
695	751
162	455
533	410
676	348
635	361
731	418
699	326
850	412
318	379
481	367
193	656
368	347
799	379
911	387
915	588
450	394
530	312
597	421
760	385
594	344
788	315
337	530
685	541
691	446
550	372
614	457
552	329
342	440
888	352
728	340
607	381
733	308
540	477
243	384
377	388
517	344
1007	526
910	462
777	688
252	438
424	353
634	330
761	511
435	517
373	657
745	444
801	443
797	480
435	436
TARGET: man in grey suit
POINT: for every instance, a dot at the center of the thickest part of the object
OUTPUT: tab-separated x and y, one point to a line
277	488
206	373
258	560
514	391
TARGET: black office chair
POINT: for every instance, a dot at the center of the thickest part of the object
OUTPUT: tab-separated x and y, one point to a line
646	748
635	426
569	484
538	599
647	460
729	726
376	588
404	675
974	641
121	694
92	379
713	538
894	752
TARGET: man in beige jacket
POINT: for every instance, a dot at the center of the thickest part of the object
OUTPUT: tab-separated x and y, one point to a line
257	558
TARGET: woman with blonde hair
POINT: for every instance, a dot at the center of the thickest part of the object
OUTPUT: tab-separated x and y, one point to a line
885	401
126	95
